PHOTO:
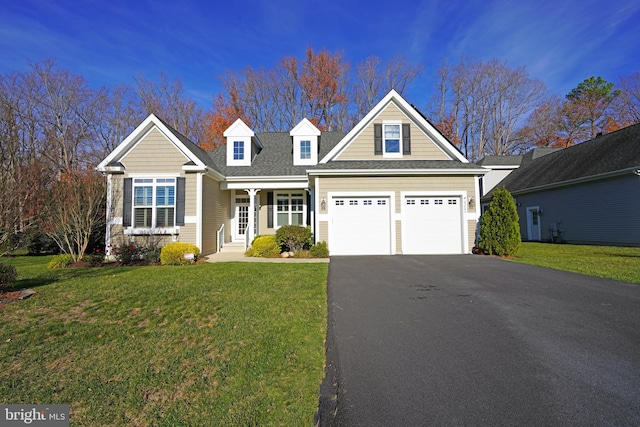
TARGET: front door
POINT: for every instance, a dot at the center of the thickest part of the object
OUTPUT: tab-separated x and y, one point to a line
242	218
533	223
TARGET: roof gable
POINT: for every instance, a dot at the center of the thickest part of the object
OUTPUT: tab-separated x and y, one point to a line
431	144
196	157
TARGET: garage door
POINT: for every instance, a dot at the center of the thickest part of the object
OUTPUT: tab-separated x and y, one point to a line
360	226
432	225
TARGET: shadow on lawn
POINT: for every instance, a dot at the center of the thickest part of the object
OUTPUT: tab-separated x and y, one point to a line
53	276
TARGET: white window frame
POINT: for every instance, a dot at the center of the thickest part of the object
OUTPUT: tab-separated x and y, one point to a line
154	182
289	196
237	147
384	139
304	154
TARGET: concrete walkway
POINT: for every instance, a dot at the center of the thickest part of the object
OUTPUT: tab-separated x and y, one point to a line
239	257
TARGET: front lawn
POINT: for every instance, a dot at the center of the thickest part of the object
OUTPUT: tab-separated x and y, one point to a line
214	344
601	261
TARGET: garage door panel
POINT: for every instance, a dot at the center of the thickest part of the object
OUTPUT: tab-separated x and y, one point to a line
360	226
432	225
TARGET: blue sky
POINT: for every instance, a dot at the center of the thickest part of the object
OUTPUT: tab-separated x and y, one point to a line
110	42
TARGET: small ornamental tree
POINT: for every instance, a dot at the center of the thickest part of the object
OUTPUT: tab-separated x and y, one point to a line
499	226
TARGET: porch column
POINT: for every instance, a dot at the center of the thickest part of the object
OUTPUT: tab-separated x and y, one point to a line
252	214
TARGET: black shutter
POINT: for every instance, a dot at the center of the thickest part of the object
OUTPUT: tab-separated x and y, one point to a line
270	209
377	138
406	138
126	206
180	188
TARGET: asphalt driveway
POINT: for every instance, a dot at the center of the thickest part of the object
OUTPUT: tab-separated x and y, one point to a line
472	340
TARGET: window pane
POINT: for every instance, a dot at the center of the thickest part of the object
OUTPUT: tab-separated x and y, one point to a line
164	217
305	149
296	205
283	219
392	138
165	196
142	218
283	203
143	196
296	219
238	150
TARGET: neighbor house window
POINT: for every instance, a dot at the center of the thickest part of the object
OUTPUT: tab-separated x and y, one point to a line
305	149
392	139
290	209
154	202
238	150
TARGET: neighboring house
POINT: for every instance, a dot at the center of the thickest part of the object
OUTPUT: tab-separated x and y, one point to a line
586	194
392	185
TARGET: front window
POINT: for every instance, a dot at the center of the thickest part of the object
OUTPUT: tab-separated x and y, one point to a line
154	202
290	209
238	150
392	139
305	149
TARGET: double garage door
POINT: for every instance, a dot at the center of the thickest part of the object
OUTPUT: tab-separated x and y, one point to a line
363	225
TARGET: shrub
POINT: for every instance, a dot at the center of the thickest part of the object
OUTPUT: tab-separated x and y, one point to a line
264	246
8	275
173	253
499	226
302	253
95	258
151	254
292	238
319	250
127	253
60	261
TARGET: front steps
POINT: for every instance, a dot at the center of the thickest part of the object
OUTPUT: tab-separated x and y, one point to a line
232	247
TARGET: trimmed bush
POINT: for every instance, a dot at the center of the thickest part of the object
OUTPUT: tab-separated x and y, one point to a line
293	238
174	253
95	258
127	253
60	261
499	226
319	250
264	246
8	276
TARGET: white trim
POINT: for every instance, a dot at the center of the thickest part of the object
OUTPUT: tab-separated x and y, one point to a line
316	209
265	185
462	195
411	113
396	171
198	210
341	194
108	218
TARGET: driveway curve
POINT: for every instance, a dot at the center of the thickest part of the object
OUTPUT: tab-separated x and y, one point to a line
473	340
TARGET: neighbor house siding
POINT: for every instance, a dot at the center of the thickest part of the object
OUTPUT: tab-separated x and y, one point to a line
422	147
601	212
396	185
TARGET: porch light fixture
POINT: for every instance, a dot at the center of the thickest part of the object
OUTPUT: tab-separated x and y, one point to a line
323	203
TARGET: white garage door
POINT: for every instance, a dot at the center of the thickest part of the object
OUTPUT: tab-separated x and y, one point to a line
432	225
360	226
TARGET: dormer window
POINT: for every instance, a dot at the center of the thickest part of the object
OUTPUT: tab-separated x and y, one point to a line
238	150
242	144
305	143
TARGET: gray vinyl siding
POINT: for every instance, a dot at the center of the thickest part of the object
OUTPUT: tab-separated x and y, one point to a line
602	212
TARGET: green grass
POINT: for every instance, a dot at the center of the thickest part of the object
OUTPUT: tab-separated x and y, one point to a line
214	344
610	262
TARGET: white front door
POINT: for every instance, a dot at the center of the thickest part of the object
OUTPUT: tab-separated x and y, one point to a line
241	218
533	223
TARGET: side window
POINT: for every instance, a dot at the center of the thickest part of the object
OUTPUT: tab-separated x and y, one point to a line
238	150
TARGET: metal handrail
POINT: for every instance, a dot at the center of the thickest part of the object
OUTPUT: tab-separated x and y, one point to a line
246	238
220	237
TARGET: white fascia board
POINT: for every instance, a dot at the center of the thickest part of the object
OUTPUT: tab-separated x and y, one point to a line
503	167
397	172
138	134
240	183
409	111
305	128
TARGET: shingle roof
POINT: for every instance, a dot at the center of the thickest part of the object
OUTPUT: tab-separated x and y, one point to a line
276	158
500	161
613	152
395	164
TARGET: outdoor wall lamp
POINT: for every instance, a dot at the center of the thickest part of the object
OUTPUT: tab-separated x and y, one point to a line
470	200
323	203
